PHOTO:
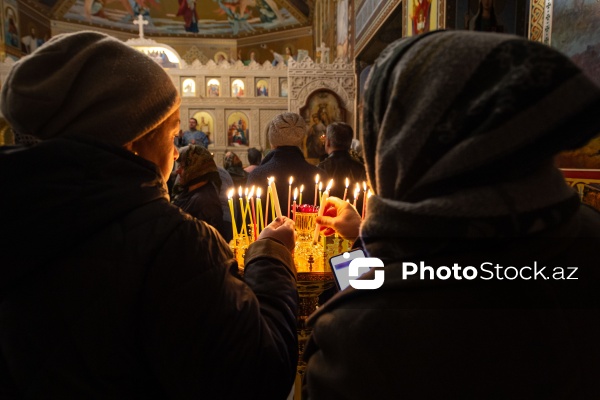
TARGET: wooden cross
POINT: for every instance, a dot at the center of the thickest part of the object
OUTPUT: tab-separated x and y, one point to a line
324	53
141	22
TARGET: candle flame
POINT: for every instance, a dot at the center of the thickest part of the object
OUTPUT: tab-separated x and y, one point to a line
246	192
251	194
364	186
329	185
240	192
230	194
347	183
258	193
320	185
271	179
301	188
291	180
356	192
295	193
317	179
369	194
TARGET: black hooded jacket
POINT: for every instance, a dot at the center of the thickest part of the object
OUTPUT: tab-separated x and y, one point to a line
108	291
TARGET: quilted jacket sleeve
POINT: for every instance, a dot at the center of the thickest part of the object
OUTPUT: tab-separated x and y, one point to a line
210	335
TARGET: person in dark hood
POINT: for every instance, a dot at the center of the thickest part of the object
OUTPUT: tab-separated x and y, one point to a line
286	134
233	165
201	184
115	292
490	280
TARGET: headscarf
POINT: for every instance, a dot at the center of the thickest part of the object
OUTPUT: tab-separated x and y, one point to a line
198	166
460	130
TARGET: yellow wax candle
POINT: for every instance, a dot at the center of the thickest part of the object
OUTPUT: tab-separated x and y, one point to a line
233	225
242	212
259	216
275	198
321	211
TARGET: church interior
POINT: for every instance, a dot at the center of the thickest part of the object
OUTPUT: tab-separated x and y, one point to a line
238	63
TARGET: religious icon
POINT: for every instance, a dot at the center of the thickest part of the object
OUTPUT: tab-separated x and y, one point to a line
237	88
323	108
205	124
189	87
237	129
420	16
212	88
283	88
11	30
262	88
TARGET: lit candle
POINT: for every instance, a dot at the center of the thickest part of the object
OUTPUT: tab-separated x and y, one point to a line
243	212
321	211
346	190
295	195
364	199
320	195
253	215
316	186
230	201
289	196
301	190
356	192
275	198
259	217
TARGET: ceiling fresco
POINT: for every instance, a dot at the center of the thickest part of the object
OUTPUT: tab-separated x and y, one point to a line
206	18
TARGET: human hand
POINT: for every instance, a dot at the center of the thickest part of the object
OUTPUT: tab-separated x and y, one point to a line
341	217
281	229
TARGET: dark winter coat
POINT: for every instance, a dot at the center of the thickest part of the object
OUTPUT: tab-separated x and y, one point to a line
109	292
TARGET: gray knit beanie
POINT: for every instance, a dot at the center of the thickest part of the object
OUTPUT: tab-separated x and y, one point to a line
87	84
286	129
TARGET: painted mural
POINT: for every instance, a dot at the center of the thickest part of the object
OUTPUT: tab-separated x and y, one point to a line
576	32
203	17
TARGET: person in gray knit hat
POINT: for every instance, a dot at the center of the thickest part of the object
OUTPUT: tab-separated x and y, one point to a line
286	134
124	295
491	285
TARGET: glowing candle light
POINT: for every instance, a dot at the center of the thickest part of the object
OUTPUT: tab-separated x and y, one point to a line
295	196
289	196
316	187
321	211
356	192
320	195
346	190
364	199
301	190
275	199
230	201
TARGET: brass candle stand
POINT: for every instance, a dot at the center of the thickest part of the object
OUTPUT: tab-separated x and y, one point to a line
314	274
